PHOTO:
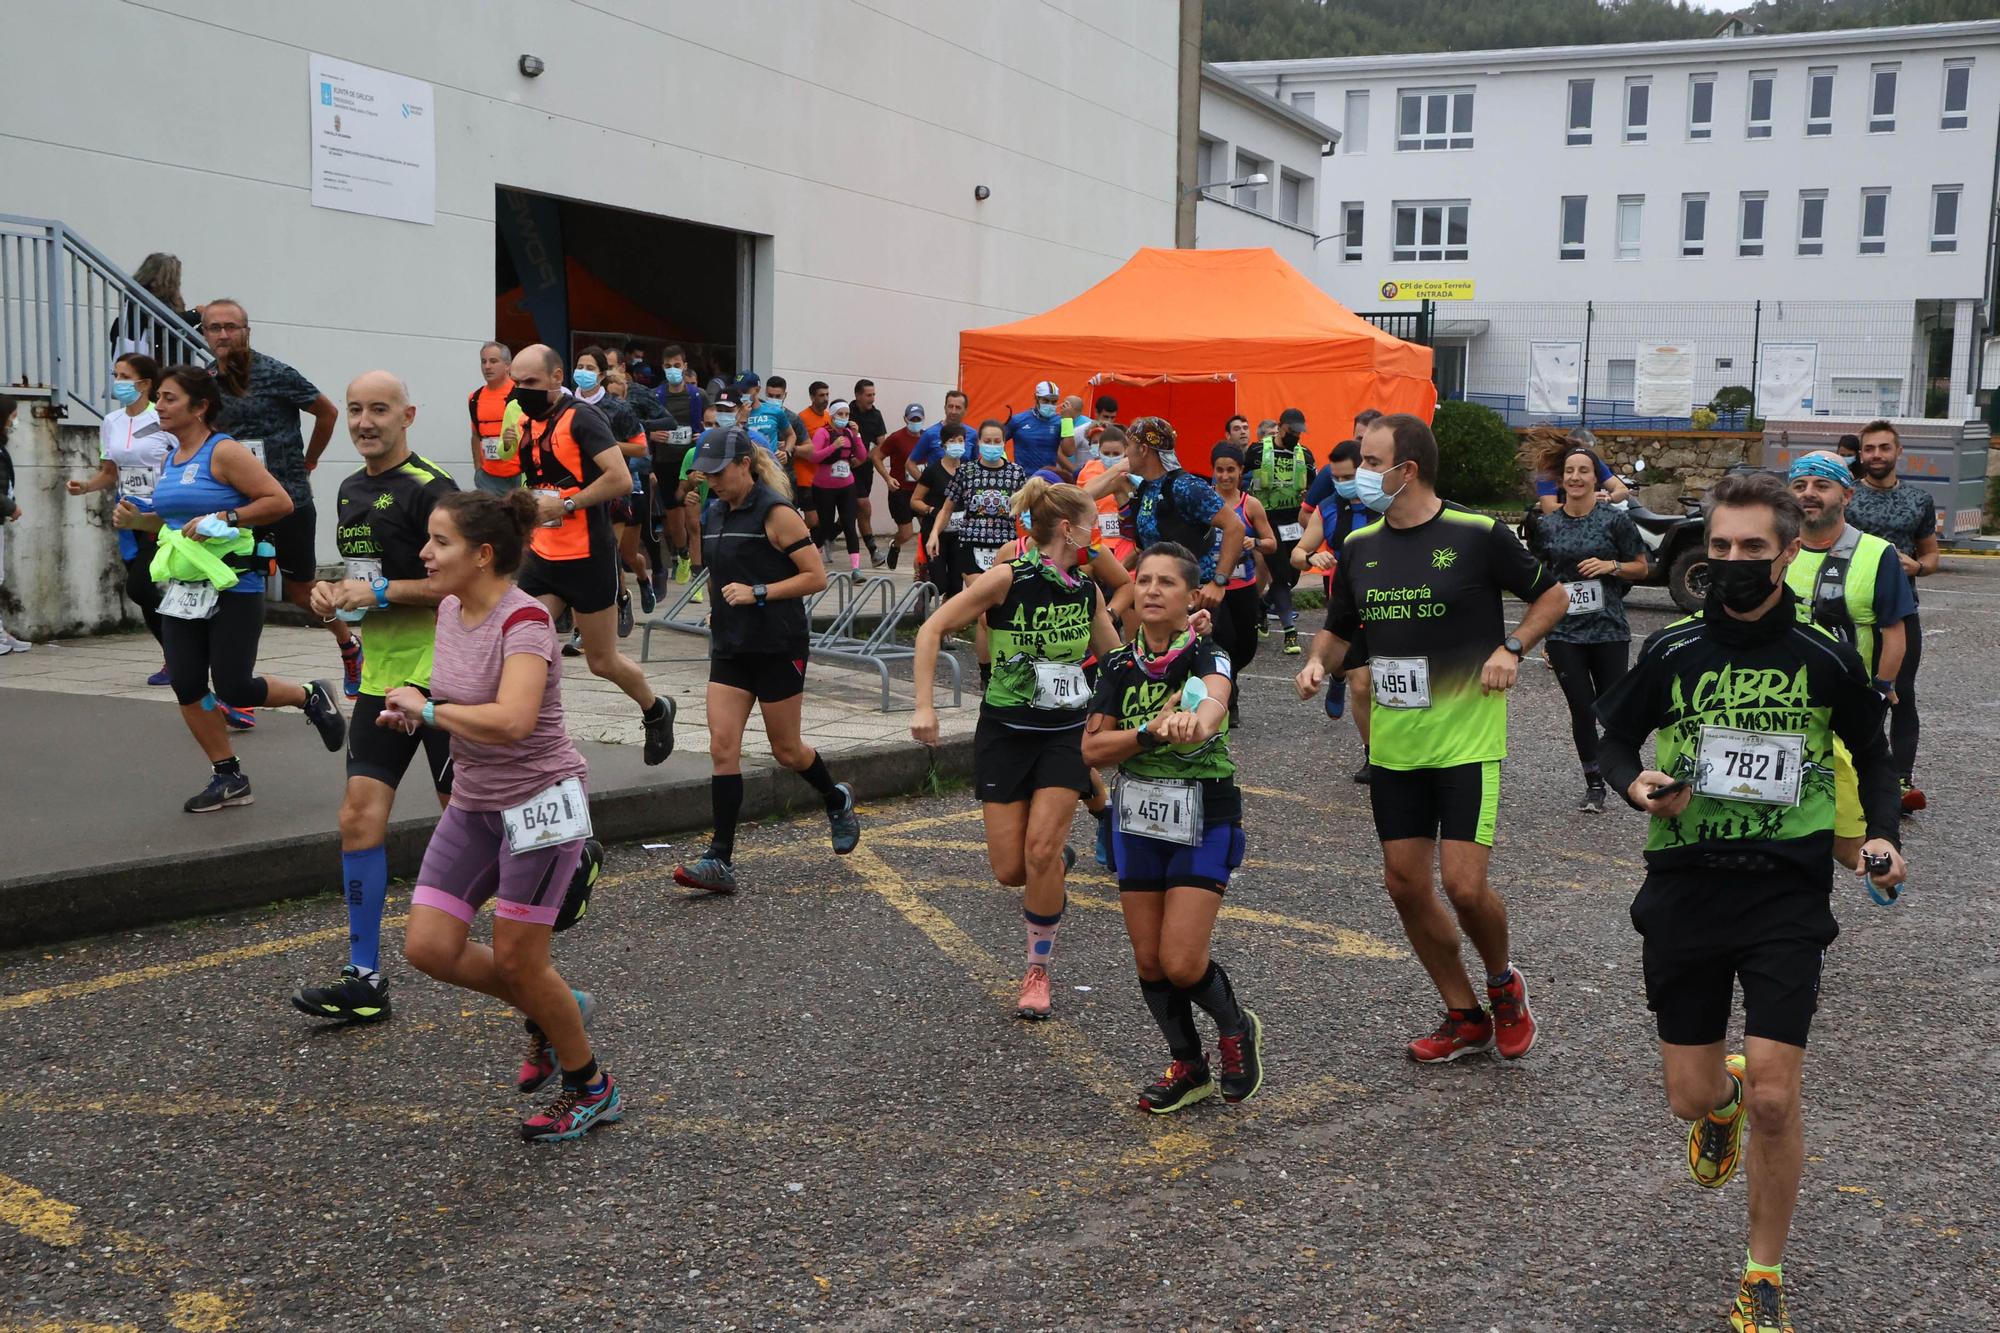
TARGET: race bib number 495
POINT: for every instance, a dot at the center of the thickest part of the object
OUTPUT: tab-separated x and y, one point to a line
1401	682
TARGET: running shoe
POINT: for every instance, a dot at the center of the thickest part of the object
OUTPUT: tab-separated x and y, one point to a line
895	553
1292	646
161	677
15	645
700	595
354	999
648	597
238	719
1594	794
1365	773
223	790
1336	698
1513	1020
1034	1001
539	1065
574	1113
5	647
1243	1060
574	647
1463	1032
874	558
566	623
1913	797
855	575
1263	627
1715	1147
351	654
624	614
1760	1307
321	710
846	824
1185	1083
711	872
660	732
576	900
682	573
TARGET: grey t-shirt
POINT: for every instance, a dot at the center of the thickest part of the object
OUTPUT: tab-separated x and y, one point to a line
269	412
1900	516
1602	534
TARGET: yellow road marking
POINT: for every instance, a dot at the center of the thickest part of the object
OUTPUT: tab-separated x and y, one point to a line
37	1216
68	1326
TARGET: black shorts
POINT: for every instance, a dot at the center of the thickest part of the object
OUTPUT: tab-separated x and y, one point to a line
292	538
1456	804
899	504
770	677
585	586
1010	764
384	753
1705	930
1357	654
619	508
806	499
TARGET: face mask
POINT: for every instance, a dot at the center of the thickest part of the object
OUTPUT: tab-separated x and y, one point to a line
125	391
1368	486
675	375
840	423
725	419
1346	490
914	427
534	402
1045	410
992	453
955	450
776	399
586	380
1742	585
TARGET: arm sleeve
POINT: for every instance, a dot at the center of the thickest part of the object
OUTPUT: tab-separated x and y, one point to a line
1895	600
1857	714
1342	616
1514	567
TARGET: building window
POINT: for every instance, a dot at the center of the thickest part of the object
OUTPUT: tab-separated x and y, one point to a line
1882	98
1428	119
1622	374
1251	197
1570	241
1957	89
1295	203
1209	157
1761	83
1631	212
1303	103
1638	108
1819	102
1580	91
1750	225
1694	225
1944	219
1874	221
1701	106
1432	230
1812	222
1351	217
1354	135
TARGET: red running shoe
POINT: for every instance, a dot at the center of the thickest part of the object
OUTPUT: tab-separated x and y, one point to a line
1463	1032
1913	798
1513	1021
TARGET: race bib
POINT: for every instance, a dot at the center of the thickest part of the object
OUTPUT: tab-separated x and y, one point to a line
1107	525
365	570
188	601
982	557
553	495
558	815
841	471
680	435
493	447
137	483
1291	532
1585	597
1163	808
1763	767
1060	685
256	448
1401	682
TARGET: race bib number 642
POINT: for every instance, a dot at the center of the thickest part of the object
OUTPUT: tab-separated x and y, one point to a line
558	814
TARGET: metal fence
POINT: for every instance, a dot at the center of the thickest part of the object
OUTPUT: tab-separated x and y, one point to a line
67	313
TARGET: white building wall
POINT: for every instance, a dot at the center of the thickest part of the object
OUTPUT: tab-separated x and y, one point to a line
1233	125
850	134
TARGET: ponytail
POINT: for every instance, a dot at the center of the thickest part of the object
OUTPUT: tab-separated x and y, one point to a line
764	466
1045	504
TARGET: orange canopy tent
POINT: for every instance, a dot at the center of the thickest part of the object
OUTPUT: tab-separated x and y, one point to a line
1173	326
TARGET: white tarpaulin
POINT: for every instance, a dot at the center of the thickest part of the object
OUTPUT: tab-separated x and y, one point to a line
1663	381
1553	378
374	146
1786	376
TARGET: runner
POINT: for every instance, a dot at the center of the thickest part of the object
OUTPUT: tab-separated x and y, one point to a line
1236	431
1426	581
1553	447
1906	518
519	814
572	462
1242	612
1281	469
925	501
131	447
1036	435
496	465
1852	585
684	401
1179	828
873	430
769	417
764	564
1112	495
1333	514
1748	704
212	493
979	503
692	492
816	417
839	456
636	544
1042	620
1595	550
930	444
1171	505
592	377
892	459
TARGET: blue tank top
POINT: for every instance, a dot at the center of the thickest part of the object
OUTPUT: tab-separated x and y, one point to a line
191	489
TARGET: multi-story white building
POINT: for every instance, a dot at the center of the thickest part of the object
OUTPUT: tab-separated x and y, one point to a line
1830	191
1246	133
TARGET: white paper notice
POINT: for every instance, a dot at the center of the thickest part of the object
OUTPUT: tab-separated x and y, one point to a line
1786	375
374	146
1553	377
1664	384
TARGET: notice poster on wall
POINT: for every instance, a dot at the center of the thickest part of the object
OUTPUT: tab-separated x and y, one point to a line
374	144
1554	372
1663	380
1786	376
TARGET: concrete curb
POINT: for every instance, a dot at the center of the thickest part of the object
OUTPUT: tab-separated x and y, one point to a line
126	894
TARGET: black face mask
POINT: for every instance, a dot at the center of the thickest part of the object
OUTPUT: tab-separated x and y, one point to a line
1741	585
1291	437
534	402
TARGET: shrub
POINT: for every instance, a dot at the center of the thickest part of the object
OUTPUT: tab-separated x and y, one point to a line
1703	418
1992	523
1478	458
1735	398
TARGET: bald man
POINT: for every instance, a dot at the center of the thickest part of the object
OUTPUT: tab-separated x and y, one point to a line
384	522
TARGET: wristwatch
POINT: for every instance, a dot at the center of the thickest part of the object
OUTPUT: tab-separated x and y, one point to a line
1218	580
1150	739
758	590
381	587
569	504
1514	646
229	517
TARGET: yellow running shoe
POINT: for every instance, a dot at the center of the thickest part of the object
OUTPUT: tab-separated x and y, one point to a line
1760	1307
1715	1147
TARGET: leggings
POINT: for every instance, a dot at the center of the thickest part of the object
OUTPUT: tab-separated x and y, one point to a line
1236	619
839	508
943	572
223	647
1586	672
1903	714
1283	577
143	592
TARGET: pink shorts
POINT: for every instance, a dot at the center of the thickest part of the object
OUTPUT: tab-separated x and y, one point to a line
468	862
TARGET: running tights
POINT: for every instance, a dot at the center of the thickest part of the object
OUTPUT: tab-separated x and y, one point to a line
1235	629
1903	714
1586	671
1283	579
222	648
839	508
143	592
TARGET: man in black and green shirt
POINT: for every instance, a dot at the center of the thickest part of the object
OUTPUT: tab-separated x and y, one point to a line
1281	468
384	523
1425	582
1747	702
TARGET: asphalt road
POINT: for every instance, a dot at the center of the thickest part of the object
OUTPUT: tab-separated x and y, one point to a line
835	1121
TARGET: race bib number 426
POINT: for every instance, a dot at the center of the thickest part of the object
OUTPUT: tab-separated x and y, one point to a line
1764	767
1585	597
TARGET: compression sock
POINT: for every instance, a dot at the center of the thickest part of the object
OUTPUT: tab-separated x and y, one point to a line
1281	597
1214	994
854	558
1041	936
725	797
822	782
366	876
583	1079
1175	1015
1752	1270
231	767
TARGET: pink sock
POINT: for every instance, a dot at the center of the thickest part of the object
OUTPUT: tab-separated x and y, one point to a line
854	560
1041	936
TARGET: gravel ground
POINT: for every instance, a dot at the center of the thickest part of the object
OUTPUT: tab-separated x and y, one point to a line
834	1120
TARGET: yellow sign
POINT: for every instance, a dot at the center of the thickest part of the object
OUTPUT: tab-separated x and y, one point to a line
1428	289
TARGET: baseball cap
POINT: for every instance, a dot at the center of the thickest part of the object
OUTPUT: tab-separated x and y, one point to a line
727	399
748	380
720	446
914	412
1047	389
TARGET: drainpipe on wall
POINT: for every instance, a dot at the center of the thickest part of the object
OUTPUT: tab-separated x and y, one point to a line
1187	156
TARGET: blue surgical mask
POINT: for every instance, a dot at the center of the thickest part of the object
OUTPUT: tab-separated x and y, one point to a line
992	453
1368	486
1045	410
125	391
725	419
840	423
1347	490
675	375
775	399
586	380
955	450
